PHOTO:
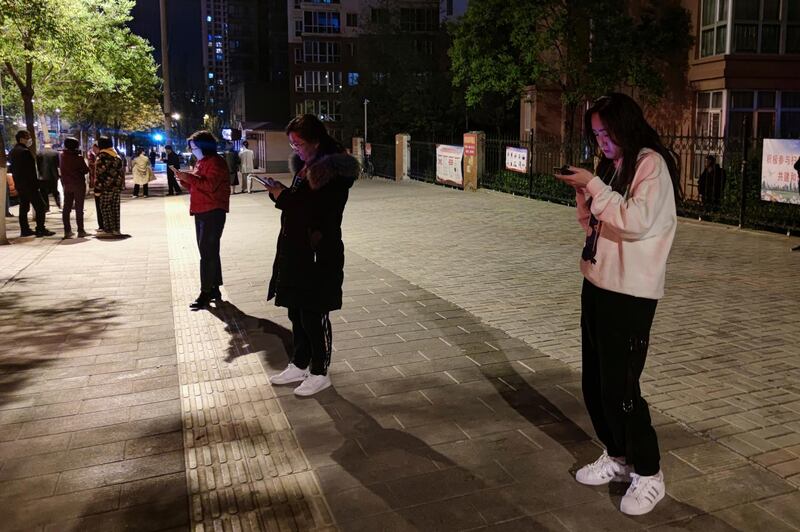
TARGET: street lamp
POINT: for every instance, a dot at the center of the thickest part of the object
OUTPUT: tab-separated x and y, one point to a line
58	125
366	102
176	116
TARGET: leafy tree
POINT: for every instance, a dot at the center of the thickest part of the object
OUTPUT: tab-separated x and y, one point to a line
584	48
77	55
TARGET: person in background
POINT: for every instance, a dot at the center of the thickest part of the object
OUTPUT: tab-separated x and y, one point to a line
152	156
628	210
233	162
92	162
142	174
47	163
246	161
109	181
173	160
308	271
22	165
711	182
209	202
73	181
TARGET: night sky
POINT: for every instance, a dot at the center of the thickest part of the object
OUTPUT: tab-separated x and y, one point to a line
184	37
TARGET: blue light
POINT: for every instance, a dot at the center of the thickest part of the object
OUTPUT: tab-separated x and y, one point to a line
158	137
208	18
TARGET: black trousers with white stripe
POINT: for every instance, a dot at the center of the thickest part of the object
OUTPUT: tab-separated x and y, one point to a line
312	340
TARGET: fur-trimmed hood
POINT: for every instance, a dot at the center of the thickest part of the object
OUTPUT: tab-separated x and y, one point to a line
327	168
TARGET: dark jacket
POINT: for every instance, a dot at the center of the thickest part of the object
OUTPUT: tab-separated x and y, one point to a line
47	161
208	185
711	184
233	161
109	173
172	159
23	165
309	262
73	171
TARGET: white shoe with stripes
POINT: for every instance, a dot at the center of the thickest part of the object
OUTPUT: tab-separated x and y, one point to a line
643	494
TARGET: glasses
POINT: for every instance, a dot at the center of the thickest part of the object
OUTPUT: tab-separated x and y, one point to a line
297	146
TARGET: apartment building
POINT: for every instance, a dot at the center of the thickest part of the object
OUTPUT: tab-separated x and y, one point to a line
325	37
745	67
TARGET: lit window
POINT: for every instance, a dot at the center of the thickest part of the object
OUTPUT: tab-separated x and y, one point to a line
208	18
210	75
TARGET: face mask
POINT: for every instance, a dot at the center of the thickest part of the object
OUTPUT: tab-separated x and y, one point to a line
29	142
198	153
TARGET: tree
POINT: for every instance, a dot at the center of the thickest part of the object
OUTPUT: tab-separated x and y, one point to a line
583	48
404	73
77	55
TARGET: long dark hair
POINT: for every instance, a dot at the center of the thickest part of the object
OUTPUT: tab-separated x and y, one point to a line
628	129
311	129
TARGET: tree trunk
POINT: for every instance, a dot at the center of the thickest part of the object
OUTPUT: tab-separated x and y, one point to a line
3	186
43	127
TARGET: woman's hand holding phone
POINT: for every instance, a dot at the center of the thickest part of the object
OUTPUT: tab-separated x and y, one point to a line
574	176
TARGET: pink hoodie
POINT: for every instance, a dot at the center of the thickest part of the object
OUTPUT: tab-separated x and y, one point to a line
636	231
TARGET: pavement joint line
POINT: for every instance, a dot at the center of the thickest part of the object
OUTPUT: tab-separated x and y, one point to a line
220	428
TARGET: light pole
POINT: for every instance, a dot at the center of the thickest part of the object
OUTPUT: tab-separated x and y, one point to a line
165	69
58	125
366	102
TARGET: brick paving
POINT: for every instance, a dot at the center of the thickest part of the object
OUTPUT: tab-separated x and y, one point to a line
456	403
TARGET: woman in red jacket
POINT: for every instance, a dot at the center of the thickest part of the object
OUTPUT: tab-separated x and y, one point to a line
209	198
73	179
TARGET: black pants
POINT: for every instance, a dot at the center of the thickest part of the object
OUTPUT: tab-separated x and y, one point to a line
615	332
71	198
50	187
99	210
311	331
208	227
136	190
172	184
26	199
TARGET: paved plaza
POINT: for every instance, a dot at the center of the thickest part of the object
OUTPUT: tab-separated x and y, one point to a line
456	402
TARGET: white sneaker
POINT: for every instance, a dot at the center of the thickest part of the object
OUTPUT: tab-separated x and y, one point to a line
643	494
602	471
291	374
312	385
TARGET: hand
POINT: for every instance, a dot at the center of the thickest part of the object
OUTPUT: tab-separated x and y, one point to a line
579	178
274	187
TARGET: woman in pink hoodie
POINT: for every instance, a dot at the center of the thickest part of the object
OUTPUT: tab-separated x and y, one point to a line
627	208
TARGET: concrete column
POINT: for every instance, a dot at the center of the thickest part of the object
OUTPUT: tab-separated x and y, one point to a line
402	158
357	149
474	158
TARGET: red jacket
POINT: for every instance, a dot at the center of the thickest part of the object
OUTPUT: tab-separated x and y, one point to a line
73	171
209	185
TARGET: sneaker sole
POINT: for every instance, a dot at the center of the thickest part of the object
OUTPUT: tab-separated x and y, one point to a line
618	478
280	382
309	394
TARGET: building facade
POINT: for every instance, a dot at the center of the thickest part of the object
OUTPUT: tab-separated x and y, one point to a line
744	69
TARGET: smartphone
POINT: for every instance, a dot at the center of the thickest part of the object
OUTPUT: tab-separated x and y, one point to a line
266	181
562	170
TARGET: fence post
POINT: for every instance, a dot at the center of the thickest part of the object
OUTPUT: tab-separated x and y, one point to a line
743	169
531	162
402	156
474	158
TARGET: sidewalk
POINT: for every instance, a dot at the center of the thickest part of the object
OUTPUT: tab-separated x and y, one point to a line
456	402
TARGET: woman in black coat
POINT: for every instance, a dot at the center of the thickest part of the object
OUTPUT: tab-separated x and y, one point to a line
309	262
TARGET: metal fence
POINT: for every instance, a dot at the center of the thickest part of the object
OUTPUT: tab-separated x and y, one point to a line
734	197
383	157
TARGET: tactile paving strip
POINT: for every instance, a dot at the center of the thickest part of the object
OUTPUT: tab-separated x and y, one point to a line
244	467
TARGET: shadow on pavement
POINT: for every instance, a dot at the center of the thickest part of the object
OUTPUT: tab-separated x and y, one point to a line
372	454
249	334
35	333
